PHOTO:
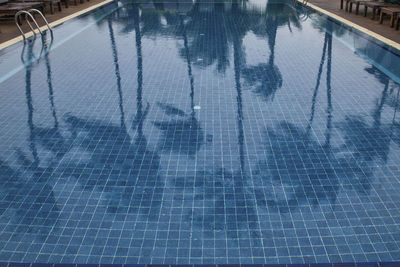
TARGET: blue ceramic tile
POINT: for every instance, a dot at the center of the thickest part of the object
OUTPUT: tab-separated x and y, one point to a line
152	132
18	264
41	265
389	264
367	264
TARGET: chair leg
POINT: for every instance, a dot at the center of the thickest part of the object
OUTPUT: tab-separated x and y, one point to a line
365	10
51	8
357	7
381	18
398	23
341	4
374	9
59	6
392	21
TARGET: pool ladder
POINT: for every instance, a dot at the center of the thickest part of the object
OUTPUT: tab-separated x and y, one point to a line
28	14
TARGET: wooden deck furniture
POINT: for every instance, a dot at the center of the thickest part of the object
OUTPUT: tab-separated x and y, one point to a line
397	23
50	3
12	8
349	4
376	6
66	2
393	12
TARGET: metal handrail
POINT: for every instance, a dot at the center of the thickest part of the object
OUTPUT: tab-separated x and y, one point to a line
44	19
28	14
30	26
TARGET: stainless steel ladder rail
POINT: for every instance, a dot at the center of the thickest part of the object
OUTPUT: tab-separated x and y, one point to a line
45	20
28	15
30	26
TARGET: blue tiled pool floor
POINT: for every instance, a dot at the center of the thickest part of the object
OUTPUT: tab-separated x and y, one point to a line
359	264
200	133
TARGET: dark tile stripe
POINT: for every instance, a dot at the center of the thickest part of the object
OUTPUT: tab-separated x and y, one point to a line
360	264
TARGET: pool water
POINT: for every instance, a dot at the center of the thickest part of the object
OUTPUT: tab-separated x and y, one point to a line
166	132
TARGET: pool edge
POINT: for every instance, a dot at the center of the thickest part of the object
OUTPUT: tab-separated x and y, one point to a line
53	24
347	22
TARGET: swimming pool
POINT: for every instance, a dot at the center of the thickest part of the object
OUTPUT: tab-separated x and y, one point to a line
200	133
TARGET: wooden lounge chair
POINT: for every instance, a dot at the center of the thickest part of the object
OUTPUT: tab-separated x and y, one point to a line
12	9
349	4
393	12
51	3
376	7
66	2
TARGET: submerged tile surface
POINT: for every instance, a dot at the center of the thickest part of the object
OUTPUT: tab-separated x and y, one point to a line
200	134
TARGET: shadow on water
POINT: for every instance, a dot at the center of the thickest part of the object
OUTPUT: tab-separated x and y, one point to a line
129	168
225	204
371	142
116	161
29	206
28	200
300	170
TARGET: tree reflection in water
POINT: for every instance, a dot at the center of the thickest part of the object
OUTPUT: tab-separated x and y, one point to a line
224	202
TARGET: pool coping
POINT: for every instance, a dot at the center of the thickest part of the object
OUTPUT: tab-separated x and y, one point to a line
348	23
53	24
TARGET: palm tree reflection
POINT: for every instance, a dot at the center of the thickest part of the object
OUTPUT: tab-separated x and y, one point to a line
117	72
292	148
35	211
129	163
371	142
185	135
266	78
